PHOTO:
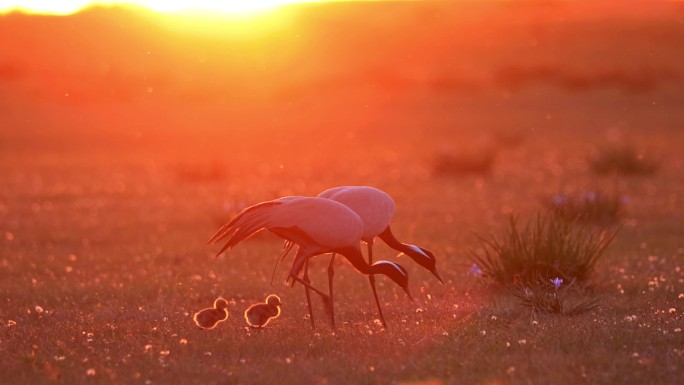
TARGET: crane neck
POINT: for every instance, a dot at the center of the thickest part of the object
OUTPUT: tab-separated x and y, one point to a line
392	242
354	256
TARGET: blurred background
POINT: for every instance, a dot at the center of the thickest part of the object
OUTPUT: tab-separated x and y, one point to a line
195	116
335	76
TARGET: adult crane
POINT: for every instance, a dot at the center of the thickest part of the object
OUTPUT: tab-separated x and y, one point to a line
376	209
318	226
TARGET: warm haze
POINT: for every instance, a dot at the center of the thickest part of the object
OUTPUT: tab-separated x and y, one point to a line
207	6
130	135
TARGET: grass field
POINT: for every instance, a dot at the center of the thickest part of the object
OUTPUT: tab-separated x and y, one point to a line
114	181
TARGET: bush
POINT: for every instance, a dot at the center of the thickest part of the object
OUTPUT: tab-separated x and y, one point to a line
454	163
623	160
590	206
547	248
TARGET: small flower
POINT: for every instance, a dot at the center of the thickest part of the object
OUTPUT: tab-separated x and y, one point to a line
559	200
557	282
528	292
590	196
475	270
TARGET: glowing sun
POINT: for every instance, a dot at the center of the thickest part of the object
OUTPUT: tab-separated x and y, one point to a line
211	6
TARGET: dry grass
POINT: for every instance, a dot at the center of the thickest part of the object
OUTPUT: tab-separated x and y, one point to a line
100	283
546	248
589	207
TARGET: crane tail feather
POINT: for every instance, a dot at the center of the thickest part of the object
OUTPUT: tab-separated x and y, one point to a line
248	222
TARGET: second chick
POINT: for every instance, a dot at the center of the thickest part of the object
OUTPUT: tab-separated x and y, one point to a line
260	314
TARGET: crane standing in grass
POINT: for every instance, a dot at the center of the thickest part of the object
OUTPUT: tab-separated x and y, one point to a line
376	209
317	226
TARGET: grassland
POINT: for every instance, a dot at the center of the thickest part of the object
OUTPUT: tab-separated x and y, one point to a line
106	204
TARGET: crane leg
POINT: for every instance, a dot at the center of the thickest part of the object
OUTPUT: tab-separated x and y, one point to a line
302	261
371	279
305	277
331	273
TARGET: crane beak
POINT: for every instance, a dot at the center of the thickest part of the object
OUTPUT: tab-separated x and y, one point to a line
437	275
287	281
409	294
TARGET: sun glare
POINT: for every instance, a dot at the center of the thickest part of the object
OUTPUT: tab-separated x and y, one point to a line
43	6
168	6
231	6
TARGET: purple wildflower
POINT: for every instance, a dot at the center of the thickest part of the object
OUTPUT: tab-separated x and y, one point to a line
475	270
560	200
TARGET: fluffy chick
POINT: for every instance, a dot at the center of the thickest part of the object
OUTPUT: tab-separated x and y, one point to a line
210	317
260	314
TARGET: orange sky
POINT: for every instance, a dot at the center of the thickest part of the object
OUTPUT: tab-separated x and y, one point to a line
70	6
339	66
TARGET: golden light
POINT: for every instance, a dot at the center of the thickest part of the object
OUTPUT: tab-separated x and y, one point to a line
43	6
167	6
234	6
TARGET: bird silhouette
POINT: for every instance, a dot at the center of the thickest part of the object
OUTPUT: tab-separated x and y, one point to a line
376	209
317	226
210	317
260	314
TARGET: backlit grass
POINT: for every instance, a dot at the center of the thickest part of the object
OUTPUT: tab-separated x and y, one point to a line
546	248
92	297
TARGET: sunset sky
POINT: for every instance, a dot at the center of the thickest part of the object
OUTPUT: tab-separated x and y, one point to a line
303	66
70	6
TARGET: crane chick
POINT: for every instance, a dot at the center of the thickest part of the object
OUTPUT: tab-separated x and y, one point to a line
210	317
260	314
